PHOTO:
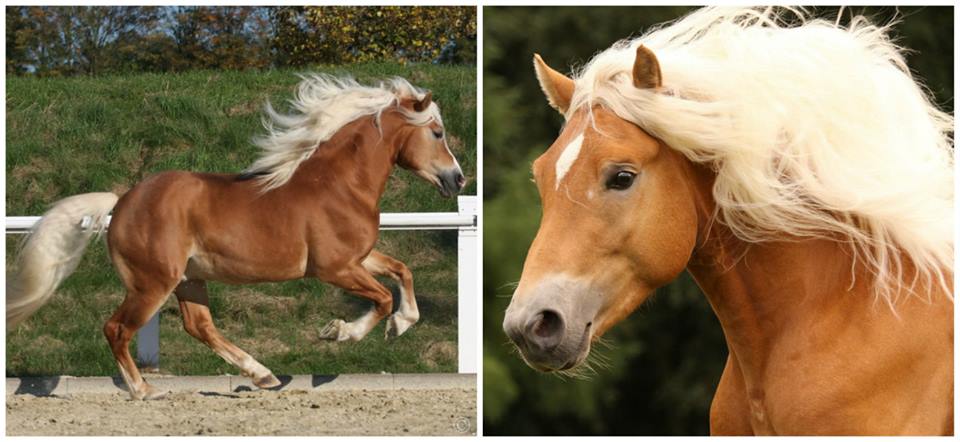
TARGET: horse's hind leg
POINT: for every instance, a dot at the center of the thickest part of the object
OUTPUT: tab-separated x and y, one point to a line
137	308
407	313
195	306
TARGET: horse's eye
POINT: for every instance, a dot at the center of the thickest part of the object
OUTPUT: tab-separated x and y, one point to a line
621	180
438	134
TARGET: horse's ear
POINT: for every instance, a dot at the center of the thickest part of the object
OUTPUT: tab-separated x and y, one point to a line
646	69
424	103
557	87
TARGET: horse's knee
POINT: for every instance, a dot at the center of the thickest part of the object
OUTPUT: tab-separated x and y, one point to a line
111	330
116	333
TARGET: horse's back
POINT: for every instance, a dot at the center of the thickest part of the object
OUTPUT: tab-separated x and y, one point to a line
207	226
176	196
162	198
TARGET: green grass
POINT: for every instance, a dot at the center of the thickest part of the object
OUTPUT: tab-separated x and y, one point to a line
76	135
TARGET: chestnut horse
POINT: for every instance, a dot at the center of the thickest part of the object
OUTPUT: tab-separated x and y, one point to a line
307	208
803	178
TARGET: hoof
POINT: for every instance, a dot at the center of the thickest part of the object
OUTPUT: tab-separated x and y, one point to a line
267	382
397	325
332	330
148	393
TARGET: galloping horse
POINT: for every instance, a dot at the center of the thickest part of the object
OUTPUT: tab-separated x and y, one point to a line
308	207
804	179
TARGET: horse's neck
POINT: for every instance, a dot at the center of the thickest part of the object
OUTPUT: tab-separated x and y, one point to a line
356	161
804	327
759	291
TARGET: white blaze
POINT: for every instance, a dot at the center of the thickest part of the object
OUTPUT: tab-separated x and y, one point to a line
568	157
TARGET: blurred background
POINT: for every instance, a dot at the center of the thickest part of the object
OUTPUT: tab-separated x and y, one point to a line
98	98
666	358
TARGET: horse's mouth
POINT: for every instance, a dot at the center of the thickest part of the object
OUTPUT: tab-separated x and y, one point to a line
444	191
450	182
569	365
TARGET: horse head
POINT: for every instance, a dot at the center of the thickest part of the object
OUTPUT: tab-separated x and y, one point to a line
619	220
424	149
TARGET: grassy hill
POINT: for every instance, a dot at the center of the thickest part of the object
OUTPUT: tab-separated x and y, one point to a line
75	135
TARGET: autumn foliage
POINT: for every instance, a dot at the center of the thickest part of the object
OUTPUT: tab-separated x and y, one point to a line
91	40
346	34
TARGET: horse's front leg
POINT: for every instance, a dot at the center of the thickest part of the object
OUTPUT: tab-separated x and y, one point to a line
730	409
407	314
358	280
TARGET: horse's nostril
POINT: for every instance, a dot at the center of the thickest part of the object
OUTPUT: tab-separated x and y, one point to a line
460	179
545	330
547	325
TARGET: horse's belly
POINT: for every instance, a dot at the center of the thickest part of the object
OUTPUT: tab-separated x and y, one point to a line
240	270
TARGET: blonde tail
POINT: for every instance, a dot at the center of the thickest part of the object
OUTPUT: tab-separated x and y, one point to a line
53	250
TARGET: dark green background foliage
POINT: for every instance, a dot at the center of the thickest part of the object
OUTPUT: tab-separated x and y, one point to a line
90	134
72	40
666	358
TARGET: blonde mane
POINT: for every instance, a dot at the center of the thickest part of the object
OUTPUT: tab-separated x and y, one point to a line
322	106
814	130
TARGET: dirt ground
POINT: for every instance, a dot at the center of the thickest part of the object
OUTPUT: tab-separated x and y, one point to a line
399	412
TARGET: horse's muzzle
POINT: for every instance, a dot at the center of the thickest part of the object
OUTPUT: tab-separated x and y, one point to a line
550	327
451	182
544	340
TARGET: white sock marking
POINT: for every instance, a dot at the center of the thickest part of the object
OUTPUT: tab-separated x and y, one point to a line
359	328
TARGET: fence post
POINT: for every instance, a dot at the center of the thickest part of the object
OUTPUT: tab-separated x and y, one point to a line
467	299
148	344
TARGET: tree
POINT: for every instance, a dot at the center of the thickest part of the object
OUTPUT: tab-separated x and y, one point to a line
292	44
72	40
17	24
41	42
98	28
222	37
65	40
349	34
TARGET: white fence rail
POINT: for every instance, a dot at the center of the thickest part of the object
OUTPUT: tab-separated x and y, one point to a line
465	221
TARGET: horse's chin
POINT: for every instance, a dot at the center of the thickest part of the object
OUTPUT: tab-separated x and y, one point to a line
561	367
444	192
